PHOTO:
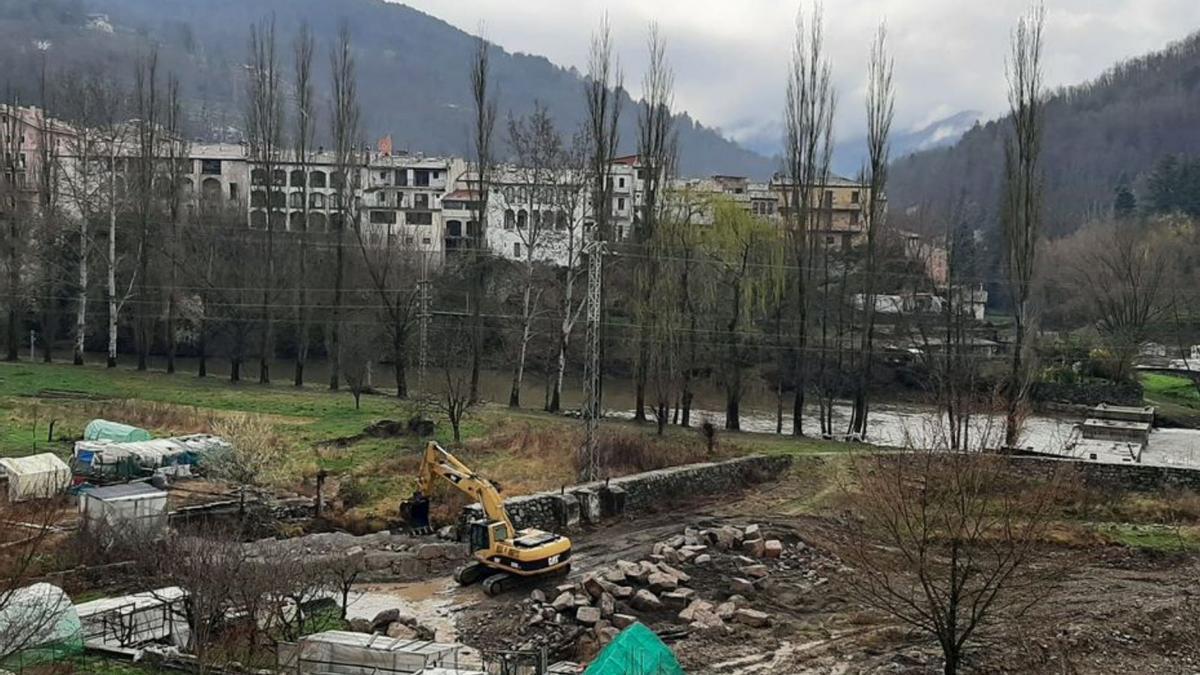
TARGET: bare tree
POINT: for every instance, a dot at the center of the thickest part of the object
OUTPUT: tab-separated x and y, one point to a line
880	111
808	146
26	531
358	350
1120	272
264	121
455	401
177	171
540	157
570	198
949	543
344	119
15	211
484	99
1022	214
148	129
303	51
657	150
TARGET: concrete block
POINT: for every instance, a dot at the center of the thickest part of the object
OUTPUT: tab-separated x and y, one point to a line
587	616
566	509
773	548
612	500
589	504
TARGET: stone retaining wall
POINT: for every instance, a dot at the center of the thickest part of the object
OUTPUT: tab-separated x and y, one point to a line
1128	477
591	502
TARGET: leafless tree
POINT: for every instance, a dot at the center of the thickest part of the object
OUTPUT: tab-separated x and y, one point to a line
344	119
50	236
483	97
15	211
540	158
1121	273
303	51
178	169
115	137
1022	214
264	122
455	401
358	351
657	150
949	543
145	174
26	540
808	146
880	111
570	197
603	91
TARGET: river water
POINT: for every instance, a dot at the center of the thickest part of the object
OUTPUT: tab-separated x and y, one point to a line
892	425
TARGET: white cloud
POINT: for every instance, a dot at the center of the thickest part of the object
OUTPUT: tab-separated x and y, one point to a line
730	57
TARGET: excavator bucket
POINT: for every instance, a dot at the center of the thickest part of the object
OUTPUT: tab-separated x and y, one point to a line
415	512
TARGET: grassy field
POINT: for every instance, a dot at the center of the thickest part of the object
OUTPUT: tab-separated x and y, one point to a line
524	450
1175	395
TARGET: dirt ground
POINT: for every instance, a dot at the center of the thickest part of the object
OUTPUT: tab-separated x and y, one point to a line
1118	610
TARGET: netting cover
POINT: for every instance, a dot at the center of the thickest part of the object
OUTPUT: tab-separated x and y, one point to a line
104	430
636	651
38	624
35	476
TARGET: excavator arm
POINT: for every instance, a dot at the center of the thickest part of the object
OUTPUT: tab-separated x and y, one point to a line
438	462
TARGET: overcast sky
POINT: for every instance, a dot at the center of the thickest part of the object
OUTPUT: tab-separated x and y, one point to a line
730	55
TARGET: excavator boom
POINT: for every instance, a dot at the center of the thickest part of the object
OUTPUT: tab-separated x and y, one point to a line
440	463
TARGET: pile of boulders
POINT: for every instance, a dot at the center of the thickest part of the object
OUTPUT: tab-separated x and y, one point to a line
394	624
655	589
383	555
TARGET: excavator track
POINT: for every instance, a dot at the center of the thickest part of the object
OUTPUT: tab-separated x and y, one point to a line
471	573
501	582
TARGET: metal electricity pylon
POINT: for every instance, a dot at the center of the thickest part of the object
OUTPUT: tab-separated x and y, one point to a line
591	364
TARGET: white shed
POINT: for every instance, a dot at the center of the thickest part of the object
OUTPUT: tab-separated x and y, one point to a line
139	509
35	476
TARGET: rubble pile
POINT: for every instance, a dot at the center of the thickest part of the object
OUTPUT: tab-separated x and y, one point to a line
657	591
394	624
384	555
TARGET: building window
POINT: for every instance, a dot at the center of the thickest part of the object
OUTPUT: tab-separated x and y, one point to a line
383	217
383	176
316	200
258	177
317	179
522	219
210	167
408	241
621	204
560	221
621	182
402	177
279	177
297	178
510	219
854	197
426	240
453	228
620	232
517	250
296	200
258	199
421	177
233	191
420	201
419	218
641	174
829	198
380	199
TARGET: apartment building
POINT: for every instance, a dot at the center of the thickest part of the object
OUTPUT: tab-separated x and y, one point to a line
403	196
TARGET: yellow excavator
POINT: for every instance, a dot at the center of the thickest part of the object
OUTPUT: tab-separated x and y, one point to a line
504	556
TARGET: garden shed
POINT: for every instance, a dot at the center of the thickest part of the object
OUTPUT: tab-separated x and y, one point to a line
35	476
105	430
346	653
135	509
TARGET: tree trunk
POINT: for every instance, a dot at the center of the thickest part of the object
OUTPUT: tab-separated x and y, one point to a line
112	266
202	349
398	341
235	369
335	353
81	300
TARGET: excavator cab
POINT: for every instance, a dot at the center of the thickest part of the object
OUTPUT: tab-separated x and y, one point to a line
484	535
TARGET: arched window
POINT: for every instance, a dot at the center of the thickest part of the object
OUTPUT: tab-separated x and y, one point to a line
277	200
508	194
453	228
316	200
337	180
210	190
317	178
258	177
560	221
280	177
510	219
522	219
296	200
298	178
258	199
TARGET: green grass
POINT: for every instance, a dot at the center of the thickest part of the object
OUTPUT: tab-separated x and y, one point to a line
1150	537
315	423
94	665
1170	388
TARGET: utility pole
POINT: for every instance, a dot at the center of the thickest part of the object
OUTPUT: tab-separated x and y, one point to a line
591	364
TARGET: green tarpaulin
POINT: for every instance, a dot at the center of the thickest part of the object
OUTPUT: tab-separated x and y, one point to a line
636	651
104	430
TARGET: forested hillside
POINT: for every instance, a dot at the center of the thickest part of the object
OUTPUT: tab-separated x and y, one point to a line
412	67
1100	136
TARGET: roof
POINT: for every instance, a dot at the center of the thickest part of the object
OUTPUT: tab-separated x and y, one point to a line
136	601
382	643
126	491
33	464
462	195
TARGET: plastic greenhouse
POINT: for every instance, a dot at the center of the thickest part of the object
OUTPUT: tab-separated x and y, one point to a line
38	624
104	430
35	476
636	651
